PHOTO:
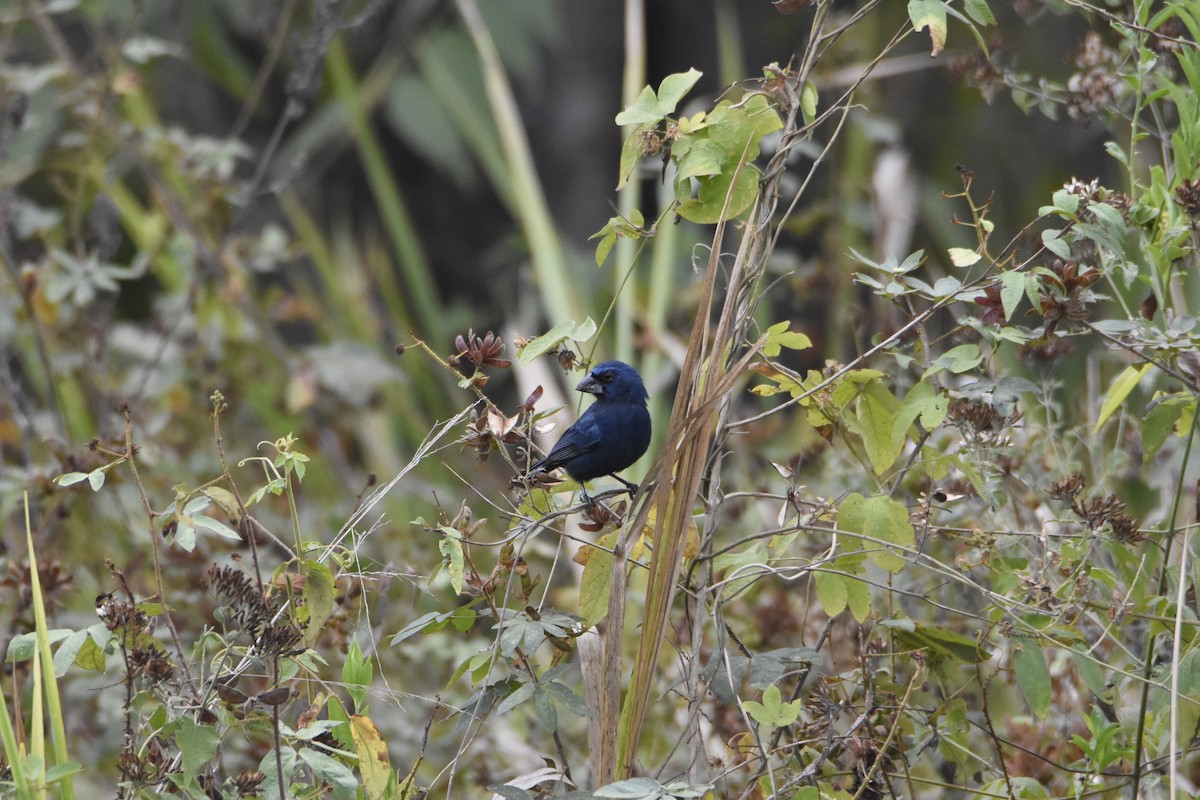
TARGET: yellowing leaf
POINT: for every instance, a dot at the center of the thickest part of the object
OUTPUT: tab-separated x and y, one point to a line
929	14
779	336
963	256
319	594
595	584
373	763
1125	383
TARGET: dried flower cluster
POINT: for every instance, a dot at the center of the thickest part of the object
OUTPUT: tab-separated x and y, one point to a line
249	610
979	421
246	607
978	71
146	657
1098	512
1095	85
1066	294
1188	196
246	782
54	578
480	351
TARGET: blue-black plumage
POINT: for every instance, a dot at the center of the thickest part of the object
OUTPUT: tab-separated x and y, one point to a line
611	434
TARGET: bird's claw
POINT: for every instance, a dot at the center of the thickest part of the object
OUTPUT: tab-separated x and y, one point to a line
630	487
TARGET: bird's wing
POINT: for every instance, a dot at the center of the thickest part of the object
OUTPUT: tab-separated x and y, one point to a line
582	437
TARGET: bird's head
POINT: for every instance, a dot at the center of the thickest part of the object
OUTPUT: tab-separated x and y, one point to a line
614	382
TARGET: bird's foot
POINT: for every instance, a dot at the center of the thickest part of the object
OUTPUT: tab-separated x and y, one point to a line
632	488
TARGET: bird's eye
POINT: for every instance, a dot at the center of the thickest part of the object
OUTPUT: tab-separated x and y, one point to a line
605	377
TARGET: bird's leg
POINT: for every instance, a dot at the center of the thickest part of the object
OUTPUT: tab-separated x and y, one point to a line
588	502
629	487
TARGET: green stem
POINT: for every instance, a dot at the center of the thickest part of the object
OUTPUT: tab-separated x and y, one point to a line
1148	658
630	195
532	209
423	305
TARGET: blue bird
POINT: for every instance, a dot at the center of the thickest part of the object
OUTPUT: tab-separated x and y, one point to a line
613	433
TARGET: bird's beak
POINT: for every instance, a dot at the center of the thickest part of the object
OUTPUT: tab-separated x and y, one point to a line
590	385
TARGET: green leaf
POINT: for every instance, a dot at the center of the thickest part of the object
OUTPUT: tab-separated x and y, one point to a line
957	359
735	131
71	478
568	699
1012	288
587	328
357	674
831	591
463	618
270	786
1033	677
91	655
22	647
452	553
543	706
1116	151
426	623
923	401
882	518
65	655
1120	389
62	771
939	642
631	154
772	712
1158	424
876	414
223	498
549	340
1090	672
522	693
630	789
650	107
1110	220
331	771
929	14
738	568
644	111
1067	202
197	744
185	533
762	114
808	102
605	247
978	10
96	479
858	597
216	526
674	87
1055	245
700	158
707	206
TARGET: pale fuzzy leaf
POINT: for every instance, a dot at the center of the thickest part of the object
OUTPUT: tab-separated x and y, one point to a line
964	256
